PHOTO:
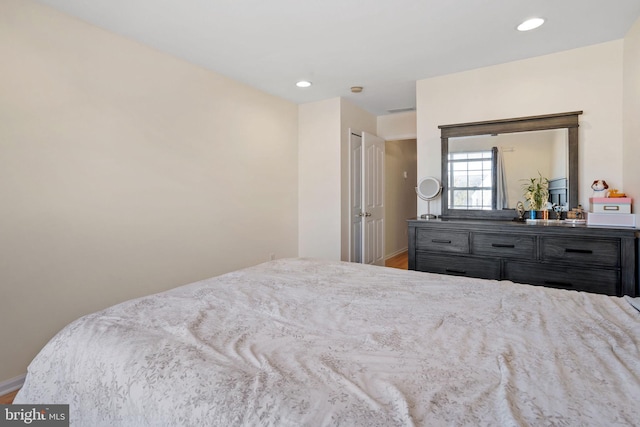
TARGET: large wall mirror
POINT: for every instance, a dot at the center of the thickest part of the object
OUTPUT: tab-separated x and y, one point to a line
484	164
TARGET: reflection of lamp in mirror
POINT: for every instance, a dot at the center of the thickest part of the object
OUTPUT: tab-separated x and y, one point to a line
428	189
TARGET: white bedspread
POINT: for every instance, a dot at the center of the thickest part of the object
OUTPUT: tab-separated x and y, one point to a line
309	343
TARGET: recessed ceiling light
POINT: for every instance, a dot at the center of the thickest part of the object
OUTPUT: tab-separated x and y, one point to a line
303	83
530	24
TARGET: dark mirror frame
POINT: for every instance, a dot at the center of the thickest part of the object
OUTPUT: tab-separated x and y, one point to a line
567	121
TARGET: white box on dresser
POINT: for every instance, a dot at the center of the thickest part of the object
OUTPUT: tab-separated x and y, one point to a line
611	205
611	220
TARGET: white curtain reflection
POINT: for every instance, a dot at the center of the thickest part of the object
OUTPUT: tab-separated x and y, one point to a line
502	201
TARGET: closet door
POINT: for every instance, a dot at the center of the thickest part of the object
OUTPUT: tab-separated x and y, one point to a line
373	199
367	198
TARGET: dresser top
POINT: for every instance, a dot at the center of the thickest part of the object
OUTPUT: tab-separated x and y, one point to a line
546	227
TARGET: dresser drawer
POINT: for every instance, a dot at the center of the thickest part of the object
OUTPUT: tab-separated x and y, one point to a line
601	252
504	245
600	281
458	265
442	240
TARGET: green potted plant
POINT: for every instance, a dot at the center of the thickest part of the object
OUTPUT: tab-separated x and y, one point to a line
536	192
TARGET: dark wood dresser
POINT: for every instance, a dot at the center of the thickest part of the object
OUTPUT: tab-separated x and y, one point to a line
583	258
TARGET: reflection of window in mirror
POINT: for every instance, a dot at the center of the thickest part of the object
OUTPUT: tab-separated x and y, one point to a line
472	179
470	175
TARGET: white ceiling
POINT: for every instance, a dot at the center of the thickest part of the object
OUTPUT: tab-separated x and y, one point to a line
382	45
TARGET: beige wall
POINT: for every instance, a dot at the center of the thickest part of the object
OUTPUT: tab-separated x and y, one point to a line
124	172
631	124
319	179
588	79
400	193
397	126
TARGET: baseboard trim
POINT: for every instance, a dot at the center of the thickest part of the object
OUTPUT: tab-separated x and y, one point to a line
12	385
396	253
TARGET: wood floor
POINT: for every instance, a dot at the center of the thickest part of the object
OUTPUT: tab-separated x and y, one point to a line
399	261
7	399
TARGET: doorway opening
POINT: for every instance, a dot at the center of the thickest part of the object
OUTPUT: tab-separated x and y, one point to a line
401	176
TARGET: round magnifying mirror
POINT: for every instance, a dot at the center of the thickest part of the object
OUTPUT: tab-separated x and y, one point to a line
428	189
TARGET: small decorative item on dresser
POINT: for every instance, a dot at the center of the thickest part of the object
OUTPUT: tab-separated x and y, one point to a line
615	194
520	211
576	216
558	210
599	188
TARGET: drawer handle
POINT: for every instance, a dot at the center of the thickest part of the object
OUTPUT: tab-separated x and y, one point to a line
449	270
440	241
502	245
578	251
611	208
555	283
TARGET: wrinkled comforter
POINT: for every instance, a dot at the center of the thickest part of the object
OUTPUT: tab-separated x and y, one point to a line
302	342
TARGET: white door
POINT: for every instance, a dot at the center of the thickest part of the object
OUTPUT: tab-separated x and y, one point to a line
373	199
367	199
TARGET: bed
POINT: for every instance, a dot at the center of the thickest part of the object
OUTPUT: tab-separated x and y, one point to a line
303	342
